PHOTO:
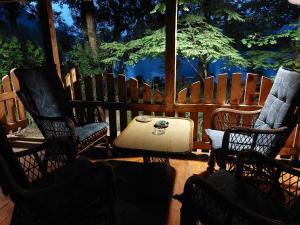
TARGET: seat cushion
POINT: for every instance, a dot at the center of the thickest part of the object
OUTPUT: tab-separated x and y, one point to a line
238	142
73	189
88	130
216	137
246	195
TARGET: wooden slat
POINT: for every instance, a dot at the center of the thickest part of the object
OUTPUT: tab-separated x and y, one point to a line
67	86
208	90
250	89
99	87
182	100
159	99
122	98
2	109
88	85
111	112
9	103
16	87
134	94
195	99
265	87
73	79
222	89
146	96
78	96
5	96
236	90
206	123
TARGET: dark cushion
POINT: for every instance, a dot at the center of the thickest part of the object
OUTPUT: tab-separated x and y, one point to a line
87	130
72	188
246	195
281	101
45	91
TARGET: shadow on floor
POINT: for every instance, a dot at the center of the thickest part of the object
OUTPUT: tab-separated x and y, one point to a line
144	192
99	152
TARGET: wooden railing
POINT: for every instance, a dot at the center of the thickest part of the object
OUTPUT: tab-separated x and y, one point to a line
124	99
12	111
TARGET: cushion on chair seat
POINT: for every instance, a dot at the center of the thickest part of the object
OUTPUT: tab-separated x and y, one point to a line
76	187
88	130
238	142
246	195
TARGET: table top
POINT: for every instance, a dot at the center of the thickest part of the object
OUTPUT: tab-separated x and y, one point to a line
139	136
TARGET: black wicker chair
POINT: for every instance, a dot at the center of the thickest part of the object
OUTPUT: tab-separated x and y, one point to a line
264	130
43	95
262	191
48	186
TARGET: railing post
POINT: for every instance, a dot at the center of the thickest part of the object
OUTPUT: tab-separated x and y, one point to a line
170	66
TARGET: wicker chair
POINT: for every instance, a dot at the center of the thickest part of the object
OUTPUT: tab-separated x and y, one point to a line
262	191
43	95
48	186
264	130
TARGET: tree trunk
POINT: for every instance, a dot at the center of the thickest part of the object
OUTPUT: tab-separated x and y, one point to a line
117	22
203	66
12	10
89	24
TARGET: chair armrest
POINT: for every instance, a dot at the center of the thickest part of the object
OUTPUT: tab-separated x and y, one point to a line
49	156
83	104
223	118
197	190
268	141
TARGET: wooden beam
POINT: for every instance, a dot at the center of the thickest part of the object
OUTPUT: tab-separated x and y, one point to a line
49	35
170	66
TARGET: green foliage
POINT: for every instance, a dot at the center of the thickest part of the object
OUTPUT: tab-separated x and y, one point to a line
230	14
256	39
260	59
195	39
198	39
261	55
82	57
14	54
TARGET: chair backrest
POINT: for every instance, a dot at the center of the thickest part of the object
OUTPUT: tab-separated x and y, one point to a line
10	162
280	105
44	91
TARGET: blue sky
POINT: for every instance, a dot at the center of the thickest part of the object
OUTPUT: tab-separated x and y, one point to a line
66	13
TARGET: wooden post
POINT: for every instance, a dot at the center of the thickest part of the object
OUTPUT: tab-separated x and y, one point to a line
49	35
170	66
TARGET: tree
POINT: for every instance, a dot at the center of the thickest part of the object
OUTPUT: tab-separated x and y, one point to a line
196	39
13	54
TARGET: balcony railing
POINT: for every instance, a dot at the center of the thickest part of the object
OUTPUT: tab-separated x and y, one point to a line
124	99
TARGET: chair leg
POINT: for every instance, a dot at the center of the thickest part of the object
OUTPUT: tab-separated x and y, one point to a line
108	150
211	161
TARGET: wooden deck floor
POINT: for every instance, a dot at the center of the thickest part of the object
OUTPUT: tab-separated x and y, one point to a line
126	166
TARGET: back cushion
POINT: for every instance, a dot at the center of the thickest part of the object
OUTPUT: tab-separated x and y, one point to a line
280	103
45	91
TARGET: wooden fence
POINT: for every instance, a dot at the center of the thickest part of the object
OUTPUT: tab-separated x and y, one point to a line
124	99
12	111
